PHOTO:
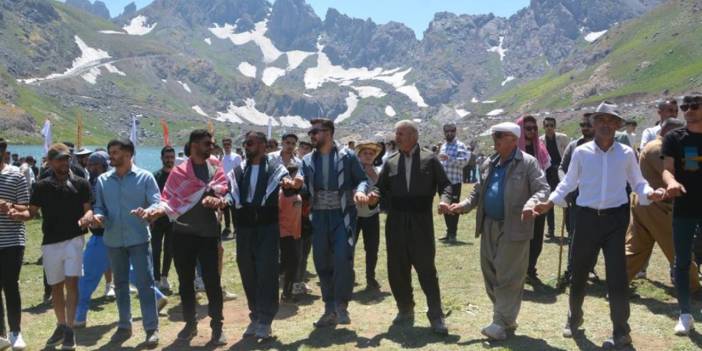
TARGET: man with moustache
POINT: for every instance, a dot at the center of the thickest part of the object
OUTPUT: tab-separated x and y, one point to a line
410	179
454	157
334	180
162	229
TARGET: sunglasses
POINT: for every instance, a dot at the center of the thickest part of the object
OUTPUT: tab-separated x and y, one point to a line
315	131
693	107
585	125
531	129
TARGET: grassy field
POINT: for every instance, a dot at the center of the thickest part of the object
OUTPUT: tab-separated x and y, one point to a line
543	313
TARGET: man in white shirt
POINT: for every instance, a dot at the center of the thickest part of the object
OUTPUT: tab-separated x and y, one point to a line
600	169
668	108
230	160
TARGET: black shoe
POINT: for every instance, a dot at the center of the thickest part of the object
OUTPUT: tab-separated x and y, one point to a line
121	335
151	338
571	327
57	336
288	298
372	284
188	332
218	338
404	317
69	339
438	326
532	279
617	343
225	233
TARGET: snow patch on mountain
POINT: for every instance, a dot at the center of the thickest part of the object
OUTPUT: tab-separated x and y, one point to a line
296	57
507	80
87	61
92	75
247	69
199	111
246	113
462	112
258	36
367	91
208	41
271	74
138	26
496	112
413	94
185	87
294	122
112	69
593	36
499	49
351	104
389	111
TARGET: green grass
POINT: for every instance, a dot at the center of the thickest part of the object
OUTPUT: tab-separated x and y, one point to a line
541	319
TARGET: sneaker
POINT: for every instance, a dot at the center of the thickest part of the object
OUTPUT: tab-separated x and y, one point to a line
151	338
4	344
570	328
109	290
162	302
17	341
228	296
199	285
494	332
164	284
57	337
617	342
328	319
188	332
342	317
685	324
264	331
69	340
218	338
250	330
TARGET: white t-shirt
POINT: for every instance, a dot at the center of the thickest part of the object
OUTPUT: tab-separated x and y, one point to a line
649	135
252	183
230	162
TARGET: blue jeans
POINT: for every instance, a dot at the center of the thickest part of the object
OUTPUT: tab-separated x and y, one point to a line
140	258
95	264
333	258
683	241
257	250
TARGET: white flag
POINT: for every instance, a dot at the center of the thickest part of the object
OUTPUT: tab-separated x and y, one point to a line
46	132
270	127
133	132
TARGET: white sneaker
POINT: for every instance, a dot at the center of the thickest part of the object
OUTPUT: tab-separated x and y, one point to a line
199	285
4	344
109	290
685	324
494	332
164	284
17	342
132	289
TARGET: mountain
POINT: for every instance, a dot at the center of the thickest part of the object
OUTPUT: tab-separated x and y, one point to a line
98	8
237	63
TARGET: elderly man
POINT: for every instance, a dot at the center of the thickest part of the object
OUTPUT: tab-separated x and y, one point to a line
409	179
511	184
454	156
600	169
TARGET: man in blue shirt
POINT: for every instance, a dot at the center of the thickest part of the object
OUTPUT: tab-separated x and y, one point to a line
120	198
512	184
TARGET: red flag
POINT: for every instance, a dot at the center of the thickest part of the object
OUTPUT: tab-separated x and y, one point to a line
164	125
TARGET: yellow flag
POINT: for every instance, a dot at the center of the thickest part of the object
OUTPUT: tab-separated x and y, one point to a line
79	132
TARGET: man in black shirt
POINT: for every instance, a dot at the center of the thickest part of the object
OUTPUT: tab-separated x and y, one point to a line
162	228
682	151
64	201
556	144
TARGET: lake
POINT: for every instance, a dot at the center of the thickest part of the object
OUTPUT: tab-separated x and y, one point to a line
147	157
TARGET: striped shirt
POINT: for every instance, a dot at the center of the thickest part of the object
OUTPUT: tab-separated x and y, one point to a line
458	157
13	189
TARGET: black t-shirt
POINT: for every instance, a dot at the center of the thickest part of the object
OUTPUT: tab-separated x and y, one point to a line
161	178
685	148
552	147
61	207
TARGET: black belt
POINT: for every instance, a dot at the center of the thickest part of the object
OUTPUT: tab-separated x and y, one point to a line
605	211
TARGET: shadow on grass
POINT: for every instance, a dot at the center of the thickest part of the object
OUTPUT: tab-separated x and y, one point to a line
517	342
370	296
541	293
457	243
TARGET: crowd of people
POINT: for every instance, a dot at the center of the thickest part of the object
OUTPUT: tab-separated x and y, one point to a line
281	202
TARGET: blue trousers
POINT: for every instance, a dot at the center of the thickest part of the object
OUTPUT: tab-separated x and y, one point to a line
140	257
333	258
257	250
683	241
95	264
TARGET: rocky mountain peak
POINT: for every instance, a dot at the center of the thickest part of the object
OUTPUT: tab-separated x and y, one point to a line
98	8
293	25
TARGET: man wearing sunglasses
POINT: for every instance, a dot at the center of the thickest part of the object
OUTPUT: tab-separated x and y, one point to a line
511	185
334	180
682	163
600	169
667	108
556	144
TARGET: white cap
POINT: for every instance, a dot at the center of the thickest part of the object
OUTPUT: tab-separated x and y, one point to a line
509	127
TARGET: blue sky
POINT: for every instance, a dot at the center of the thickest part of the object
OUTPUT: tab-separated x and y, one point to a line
415	13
